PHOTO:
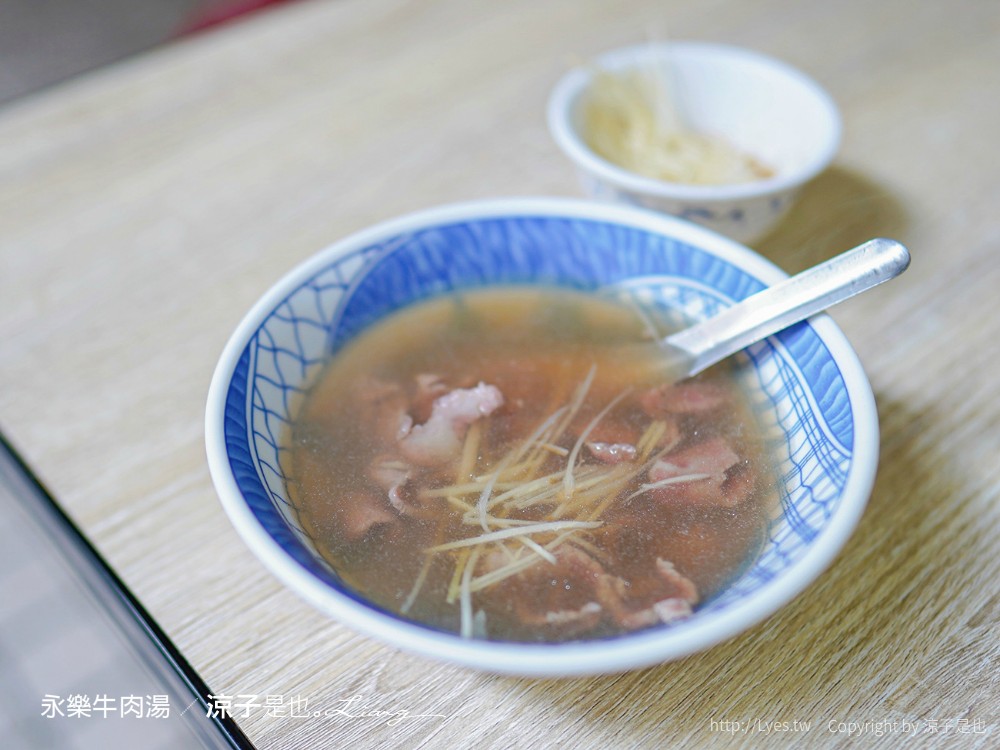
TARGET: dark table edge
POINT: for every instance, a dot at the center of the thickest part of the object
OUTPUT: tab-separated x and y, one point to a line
132	618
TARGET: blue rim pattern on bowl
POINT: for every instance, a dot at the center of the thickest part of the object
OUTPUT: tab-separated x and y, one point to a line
795	376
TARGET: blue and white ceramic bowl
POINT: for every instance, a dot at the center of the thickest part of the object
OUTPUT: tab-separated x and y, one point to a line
811	394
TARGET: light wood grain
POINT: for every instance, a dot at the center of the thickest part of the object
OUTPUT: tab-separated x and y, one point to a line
145	207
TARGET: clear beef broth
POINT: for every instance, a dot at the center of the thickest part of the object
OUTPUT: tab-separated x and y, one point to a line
410	465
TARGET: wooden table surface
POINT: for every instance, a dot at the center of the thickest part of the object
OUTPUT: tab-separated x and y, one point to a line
145	207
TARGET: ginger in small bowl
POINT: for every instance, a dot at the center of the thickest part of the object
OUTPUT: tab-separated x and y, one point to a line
718	135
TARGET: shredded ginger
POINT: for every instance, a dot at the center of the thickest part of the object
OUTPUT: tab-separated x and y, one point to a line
629	119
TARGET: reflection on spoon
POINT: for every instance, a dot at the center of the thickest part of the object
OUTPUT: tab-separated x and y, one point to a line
760	315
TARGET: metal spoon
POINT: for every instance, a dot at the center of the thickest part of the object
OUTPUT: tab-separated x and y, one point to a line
760	315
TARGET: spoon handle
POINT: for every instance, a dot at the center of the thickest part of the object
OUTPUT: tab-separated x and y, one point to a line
788	302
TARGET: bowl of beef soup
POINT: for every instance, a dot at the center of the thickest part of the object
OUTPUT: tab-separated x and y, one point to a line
427	431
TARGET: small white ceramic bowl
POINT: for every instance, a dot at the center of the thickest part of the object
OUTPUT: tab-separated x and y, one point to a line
809	391
761	105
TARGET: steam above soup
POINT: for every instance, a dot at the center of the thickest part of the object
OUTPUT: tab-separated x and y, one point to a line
482	463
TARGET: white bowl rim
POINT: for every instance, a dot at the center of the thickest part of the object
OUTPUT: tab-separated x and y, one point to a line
633	651
572	83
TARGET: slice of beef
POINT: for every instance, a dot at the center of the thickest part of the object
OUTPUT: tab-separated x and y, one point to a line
714	457
359	512
726	480
392	475
578	594
556	599
683	398
612	453
671	593
439	439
